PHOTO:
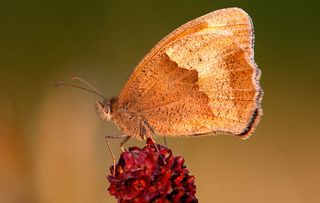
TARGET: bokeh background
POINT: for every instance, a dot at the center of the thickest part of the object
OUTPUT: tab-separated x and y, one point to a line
52	146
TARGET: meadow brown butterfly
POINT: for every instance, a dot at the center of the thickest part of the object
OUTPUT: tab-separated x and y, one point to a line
201	79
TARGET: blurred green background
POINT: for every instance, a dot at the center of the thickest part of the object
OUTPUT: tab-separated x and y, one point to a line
52	146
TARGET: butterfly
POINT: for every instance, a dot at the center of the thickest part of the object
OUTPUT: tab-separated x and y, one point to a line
201	79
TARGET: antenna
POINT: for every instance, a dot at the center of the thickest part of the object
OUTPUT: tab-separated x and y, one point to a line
91	88
85	82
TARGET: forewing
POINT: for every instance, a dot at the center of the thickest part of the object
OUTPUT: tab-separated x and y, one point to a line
199	79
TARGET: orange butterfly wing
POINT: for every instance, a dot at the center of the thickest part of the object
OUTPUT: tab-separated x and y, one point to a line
200	79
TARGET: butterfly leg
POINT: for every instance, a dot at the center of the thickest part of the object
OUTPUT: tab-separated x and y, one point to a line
153	134
165	141
112	155
148	126
114	136
124	141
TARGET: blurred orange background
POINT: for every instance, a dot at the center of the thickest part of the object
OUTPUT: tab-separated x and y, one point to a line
52	146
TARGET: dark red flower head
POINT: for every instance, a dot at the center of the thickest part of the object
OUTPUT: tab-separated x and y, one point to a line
151	175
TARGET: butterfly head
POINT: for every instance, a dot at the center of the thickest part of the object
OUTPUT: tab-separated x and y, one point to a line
104	109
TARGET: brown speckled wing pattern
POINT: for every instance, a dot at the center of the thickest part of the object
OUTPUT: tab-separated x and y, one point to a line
200	79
